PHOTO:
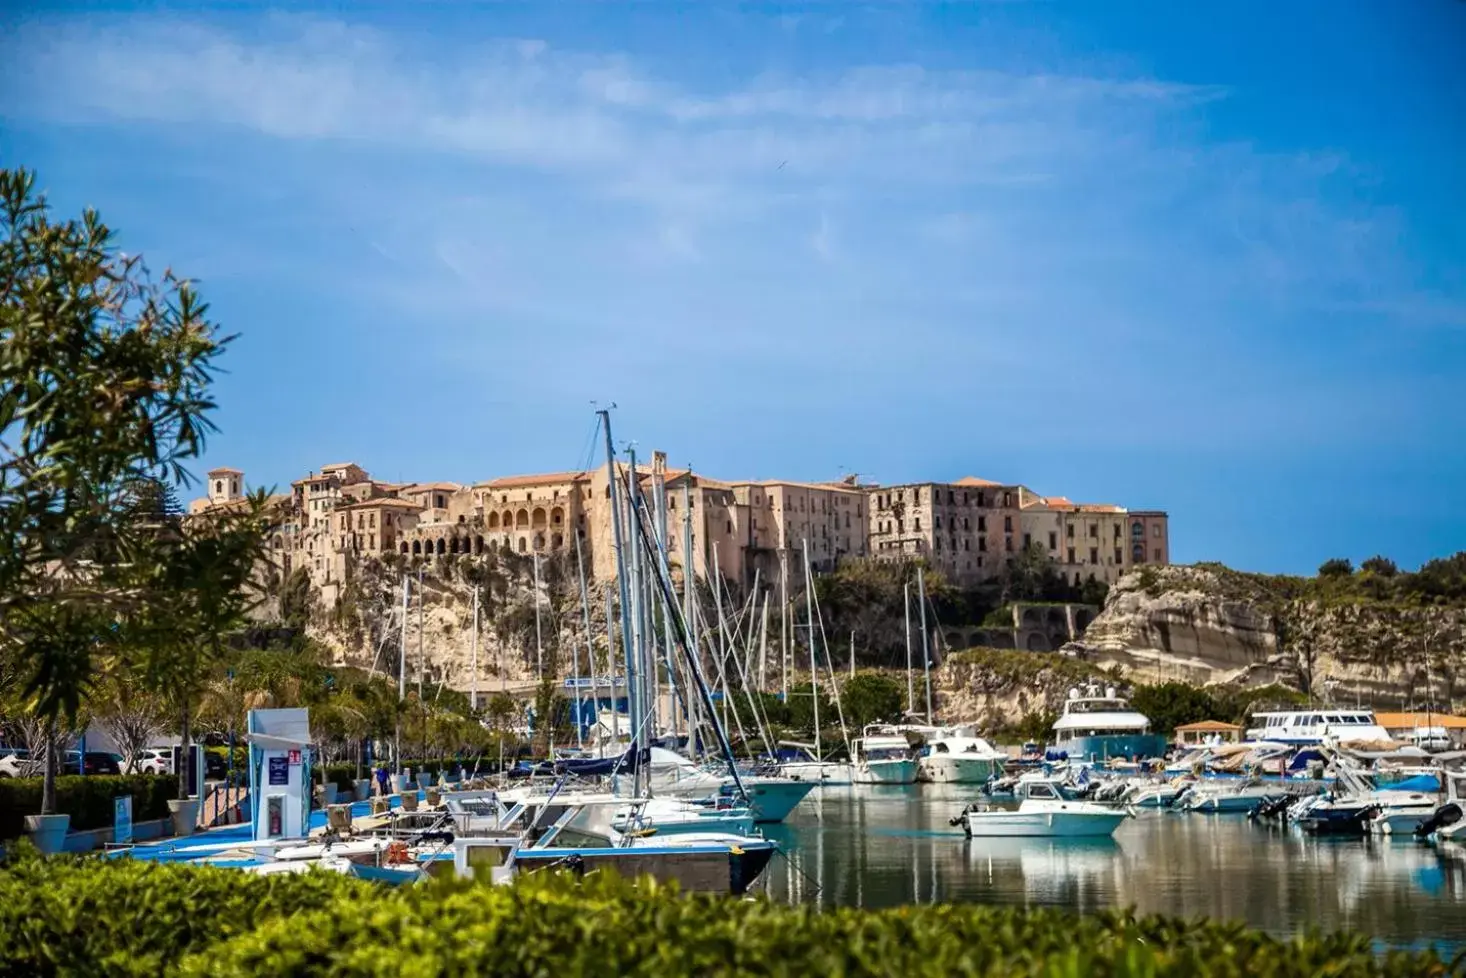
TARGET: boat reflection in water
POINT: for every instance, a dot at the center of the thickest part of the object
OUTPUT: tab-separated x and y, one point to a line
884	846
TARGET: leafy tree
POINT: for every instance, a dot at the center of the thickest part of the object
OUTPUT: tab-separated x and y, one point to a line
104	376
133	714
1336	567
1094	591
296	599
871	697
1170	705
1380	565
800	708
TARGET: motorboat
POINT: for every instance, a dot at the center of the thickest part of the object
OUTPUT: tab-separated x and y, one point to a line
797	761
672	816
1043	813
883	757
579	835
772	798
1217	797
1097	725
1314	727
959	759
1155	795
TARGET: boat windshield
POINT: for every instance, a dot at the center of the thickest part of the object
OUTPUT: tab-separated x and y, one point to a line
885	754
1042	791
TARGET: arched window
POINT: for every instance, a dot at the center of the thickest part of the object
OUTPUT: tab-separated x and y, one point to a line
557	541
539	517
218	487
1137	553
493	521
521	519
1137	529
417	547
404	546
557	516
478	545
441	549
523	545
539	541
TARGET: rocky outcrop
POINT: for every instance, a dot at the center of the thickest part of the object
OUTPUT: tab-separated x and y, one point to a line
1212	625
997	688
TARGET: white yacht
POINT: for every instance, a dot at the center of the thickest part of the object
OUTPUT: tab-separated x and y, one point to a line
1098	725
771	798
1306	727
883	756
953	758
803	765
1043	813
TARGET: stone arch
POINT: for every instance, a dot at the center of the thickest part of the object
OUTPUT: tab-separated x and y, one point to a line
1032	616
557	516
523	544
1037	642
539	517
557	541
453	545
404	546
521	519
493	521
539	541
478	544
441	549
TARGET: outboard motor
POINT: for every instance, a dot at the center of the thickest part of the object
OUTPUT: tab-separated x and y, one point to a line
1448	814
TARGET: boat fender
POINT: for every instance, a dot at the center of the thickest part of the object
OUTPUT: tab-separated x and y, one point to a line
735	850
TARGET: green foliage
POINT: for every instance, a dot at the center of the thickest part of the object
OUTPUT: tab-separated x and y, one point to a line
295	599
800	708
1380	565
1171	705
85	916
870	697
124	918
88	800
1336	567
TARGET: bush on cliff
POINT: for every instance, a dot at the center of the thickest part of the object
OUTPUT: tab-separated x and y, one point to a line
124	918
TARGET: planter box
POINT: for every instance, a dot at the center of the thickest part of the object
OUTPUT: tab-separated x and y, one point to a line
185	815
48	832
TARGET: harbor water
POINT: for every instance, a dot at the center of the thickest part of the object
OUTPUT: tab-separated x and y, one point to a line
881	846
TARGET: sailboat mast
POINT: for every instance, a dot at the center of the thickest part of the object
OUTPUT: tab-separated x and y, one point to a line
784	623
473	656
539	644
401	678
926	659
611	675
814	671
590	658
617	536
689	598
910	681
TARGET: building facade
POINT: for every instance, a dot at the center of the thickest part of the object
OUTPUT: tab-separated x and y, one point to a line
741	532
966	529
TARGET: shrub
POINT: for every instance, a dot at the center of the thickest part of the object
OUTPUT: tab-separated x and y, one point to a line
88	800
90	916
125	918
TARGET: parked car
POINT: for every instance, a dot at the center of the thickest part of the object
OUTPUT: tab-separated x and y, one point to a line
155	760
15	762
215	767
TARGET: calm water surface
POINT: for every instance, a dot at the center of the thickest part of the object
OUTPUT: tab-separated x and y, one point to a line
878	846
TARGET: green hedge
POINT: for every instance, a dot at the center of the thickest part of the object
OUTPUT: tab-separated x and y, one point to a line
88	800
93	916
123	918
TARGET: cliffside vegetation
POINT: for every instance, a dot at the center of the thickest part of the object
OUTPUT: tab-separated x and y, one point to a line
1440	583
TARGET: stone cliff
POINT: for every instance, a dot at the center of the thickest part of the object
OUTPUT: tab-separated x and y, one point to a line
1209	624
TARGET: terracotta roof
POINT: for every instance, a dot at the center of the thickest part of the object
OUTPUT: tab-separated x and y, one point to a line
1099	508
1391	721
793	484
1208	726
972	480
340	465
224	469
520	481
431	487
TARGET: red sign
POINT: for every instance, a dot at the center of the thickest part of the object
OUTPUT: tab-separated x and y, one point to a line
295	757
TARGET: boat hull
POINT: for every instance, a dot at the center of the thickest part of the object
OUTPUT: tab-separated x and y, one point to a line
1106	746
955	769
885	772
772	800
1042	825
697	869
822	773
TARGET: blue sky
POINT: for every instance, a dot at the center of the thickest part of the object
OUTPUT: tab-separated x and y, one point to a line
1209	259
